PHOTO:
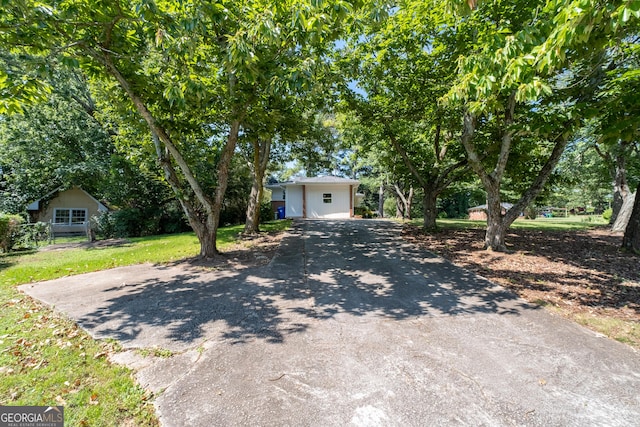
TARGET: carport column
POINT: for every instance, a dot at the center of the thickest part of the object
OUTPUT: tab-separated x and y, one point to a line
350	201
304	201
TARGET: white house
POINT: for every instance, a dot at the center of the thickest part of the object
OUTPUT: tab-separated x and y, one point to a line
317	197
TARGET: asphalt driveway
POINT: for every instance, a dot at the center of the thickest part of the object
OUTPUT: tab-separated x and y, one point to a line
349	325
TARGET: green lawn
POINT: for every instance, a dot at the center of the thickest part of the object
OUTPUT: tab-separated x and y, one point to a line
45	359
550	224
18	268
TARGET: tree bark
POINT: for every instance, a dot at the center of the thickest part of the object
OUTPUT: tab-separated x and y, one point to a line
621	190
403	201
625	213
261	149
631	239
381	200
429	202
399	207
224	163
432	183
494	238
191	212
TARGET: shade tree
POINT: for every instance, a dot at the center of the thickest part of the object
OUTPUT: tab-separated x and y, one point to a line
400	69
520	67
185	68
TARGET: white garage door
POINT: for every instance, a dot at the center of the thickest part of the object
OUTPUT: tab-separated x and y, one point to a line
327	201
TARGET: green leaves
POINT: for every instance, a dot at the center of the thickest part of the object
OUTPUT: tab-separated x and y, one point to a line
18	90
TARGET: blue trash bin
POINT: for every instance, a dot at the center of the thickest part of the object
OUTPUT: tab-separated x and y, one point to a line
281	212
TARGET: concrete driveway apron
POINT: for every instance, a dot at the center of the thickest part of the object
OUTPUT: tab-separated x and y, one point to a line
350	325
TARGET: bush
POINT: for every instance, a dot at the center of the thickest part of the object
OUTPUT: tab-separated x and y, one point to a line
104	224
30	236
606	215
364	212
9	231
266	212
135	222
130	222
389	207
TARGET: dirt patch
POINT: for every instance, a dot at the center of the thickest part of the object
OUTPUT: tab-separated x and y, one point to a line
582	274
248	252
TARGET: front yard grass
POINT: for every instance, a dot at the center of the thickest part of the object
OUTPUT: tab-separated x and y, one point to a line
18	268
45	359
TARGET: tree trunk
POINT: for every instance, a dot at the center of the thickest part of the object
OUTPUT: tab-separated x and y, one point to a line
625	213
433	182
399	207
631	239
381	200
409	203
252	221
429	201
621	188
494	238
403	203
261	149
213	218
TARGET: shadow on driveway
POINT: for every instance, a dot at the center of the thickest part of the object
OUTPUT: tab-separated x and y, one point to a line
323	269
349	325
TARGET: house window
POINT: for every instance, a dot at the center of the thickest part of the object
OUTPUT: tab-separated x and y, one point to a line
69	216
326	197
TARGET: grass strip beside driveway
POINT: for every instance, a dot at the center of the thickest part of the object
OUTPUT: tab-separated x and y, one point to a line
45	359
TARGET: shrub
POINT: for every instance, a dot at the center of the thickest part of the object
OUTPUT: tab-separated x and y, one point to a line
135	222
9	230
364	212
266	212
389	207
130	222
173	219
606	215
31	235
104	224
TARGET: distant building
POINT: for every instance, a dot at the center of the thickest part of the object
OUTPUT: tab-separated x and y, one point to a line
479	213
317	197
68	210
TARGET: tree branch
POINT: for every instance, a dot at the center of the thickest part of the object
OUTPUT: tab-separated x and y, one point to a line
538	184
202	197
405	157
507	138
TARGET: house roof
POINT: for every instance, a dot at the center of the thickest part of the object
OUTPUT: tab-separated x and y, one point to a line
34	206
506	206
316	180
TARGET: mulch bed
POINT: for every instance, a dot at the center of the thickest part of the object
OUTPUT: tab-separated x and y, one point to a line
581	272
